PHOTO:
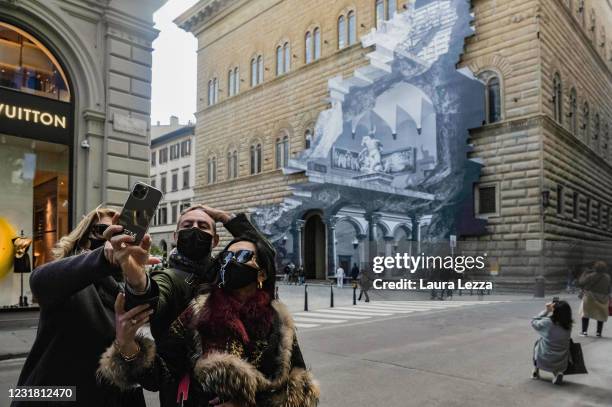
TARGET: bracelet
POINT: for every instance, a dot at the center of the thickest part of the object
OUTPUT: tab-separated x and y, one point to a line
127	358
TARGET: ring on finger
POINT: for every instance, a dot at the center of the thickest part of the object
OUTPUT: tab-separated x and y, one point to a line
133	321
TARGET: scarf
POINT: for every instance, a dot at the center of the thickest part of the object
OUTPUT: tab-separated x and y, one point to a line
199	268
225	320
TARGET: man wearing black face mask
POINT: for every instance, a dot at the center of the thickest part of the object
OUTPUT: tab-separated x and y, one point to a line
190	265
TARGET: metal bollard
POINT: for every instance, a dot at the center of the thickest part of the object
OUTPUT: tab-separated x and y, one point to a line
354	295
305	297
331	295
276	294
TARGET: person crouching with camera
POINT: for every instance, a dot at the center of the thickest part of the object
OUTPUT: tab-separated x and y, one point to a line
552	349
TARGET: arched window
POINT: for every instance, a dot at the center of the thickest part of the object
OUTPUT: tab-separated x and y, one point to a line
287	52
231	90
586	122
213	91
341	32
557	99
380	12
573	112
255	158
28	66
308	47
308	139
236	80
282	150
260	69
352	28
253	72
232	164
317	43
492	96
212	170
279	61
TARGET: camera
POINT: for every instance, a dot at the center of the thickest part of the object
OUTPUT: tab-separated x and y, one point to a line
140	191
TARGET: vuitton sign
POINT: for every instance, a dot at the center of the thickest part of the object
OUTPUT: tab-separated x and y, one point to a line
35	117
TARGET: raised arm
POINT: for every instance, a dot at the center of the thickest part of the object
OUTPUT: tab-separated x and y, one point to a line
54	282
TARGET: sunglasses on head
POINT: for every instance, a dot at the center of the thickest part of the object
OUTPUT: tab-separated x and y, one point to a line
99	228
240	256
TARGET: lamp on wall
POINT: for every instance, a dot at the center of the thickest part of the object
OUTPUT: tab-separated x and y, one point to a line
355	243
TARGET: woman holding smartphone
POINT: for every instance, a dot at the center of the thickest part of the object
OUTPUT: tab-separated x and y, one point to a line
76	293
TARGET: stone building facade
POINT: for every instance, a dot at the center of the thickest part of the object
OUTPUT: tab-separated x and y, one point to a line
89	64
539	56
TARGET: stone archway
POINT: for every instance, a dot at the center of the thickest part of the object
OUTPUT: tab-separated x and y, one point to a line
314	246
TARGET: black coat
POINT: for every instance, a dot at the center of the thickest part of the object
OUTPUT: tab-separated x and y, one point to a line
77	323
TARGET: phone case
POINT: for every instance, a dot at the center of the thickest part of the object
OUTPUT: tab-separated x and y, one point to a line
138	210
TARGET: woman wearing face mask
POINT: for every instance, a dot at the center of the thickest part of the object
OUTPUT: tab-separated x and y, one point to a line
232	347
76	293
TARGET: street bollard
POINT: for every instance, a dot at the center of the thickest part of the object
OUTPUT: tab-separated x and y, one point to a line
354	295
276	294
305	297
331	295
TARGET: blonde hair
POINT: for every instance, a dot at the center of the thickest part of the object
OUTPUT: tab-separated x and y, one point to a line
75	239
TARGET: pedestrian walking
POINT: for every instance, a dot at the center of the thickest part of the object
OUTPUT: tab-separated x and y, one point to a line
365	283
354	272
76	294
552	349
595	286
340	276
301	275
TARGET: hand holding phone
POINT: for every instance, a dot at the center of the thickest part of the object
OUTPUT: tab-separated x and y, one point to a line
138	210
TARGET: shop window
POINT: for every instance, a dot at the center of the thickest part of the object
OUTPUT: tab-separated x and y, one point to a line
26	65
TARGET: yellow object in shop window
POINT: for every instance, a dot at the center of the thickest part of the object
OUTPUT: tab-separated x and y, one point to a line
7	233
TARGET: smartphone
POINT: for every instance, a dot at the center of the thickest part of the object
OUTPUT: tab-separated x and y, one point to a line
555	300
138	210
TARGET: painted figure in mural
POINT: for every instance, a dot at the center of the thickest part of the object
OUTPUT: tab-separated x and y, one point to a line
371	155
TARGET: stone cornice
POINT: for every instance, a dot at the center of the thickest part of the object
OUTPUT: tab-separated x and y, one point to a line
203	12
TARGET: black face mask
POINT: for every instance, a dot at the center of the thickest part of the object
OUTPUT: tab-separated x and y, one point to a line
236	275
193	243
95	243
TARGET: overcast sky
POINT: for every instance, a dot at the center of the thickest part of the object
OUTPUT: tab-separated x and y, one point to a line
174	66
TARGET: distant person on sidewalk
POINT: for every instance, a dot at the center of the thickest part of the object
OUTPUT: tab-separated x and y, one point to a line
301	275
354	272
552	349
340	276
595	286
365	283
76	293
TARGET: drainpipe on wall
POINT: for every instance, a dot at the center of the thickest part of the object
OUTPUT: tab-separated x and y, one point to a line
107	122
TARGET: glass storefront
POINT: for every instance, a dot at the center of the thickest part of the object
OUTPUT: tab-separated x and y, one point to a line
35	154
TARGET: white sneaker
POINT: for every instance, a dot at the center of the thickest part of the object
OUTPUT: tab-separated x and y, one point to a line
558	379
